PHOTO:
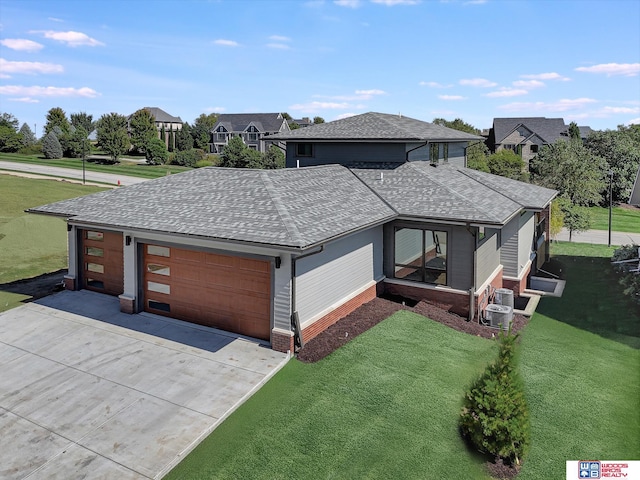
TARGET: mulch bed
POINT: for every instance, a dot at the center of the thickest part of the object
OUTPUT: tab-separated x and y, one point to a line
373	312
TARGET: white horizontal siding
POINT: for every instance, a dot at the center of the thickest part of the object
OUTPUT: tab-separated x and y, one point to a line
343	268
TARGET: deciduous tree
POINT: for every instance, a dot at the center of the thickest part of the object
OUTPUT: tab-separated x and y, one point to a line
112	135
82	119
507	163
621	150
572	169
142	126
8	120
201	130
273	158
156	152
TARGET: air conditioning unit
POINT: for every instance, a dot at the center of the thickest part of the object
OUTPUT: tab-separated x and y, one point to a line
504	296
498	316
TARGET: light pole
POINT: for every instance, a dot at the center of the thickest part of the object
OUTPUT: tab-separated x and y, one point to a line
610	202
83	144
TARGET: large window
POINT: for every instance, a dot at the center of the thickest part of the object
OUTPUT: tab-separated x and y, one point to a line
421	255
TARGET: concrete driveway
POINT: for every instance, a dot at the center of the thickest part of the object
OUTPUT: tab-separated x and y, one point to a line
89	392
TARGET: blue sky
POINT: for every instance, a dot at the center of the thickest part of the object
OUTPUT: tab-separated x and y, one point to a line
475	60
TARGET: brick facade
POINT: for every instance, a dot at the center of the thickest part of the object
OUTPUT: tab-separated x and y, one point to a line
343	310
282	341
518	286
456	302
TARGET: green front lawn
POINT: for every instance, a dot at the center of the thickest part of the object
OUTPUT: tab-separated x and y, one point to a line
580	362
125	167
622	219
31	245
386	405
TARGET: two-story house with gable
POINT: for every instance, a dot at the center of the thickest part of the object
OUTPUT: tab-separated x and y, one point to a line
377	139
254	129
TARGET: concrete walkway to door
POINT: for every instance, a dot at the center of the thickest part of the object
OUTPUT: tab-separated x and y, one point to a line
89	392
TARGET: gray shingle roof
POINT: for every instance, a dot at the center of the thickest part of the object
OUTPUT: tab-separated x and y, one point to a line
374	126
446	192
549	129
238	122
293	208
162	116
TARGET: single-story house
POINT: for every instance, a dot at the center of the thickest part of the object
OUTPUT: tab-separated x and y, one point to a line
280	254
377	139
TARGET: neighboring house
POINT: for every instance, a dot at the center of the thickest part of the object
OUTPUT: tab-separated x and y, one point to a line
303	122
375	139
527	135
163	120
254	129
275	254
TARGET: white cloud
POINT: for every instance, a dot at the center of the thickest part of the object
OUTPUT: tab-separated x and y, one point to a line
21	44
528	84
478	82
613	69
315	106
434	85
226	43
29	68
279	38
278	46
546	76
215	109
24	100
72	39
634	121
37	91
475	2
348	3
507	92
366	94
562	105
451	97
392	3
618	110
54	19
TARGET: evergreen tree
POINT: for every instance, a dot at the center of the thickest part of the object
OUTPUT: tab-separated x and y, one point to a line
156	152
56	117
172	140
51	147
273	158
184	140
235	154
574	131
28	137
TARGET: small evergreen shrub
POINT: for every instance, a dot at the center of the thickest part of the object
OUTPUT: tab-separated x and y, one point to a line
495	415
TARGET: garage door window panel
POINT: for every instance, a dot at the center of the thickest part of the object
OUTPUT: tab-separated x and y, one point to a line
158	269
158	251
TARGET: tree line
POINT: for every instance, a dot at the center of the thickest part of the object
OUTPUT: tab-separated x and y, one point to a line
581	171
117	135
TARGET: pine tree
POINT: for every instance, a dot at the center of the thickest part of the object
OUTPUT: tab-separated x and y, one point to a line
51	147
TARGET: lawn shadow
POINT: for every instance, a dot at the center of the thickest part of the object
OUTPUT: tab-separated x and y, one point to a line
593	300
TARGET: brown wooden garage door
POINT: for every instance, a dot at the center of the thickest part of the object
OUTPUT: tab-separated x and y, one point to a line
226	292
102	261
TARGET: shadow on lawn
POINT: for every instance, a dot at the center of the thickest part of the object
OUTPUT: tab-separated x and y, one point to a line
593	300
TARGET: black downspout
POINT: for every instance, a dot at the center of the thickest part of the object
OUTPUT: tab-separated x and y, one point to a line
406	158
295	323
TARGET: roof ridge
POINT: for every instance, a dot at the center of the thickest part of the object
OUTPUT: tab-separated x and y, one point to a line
283	213
463	171
384	200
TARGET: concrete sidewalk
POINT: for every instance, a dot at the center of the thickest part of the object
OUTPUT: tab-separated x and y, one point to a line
89	392
60	172
600	237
